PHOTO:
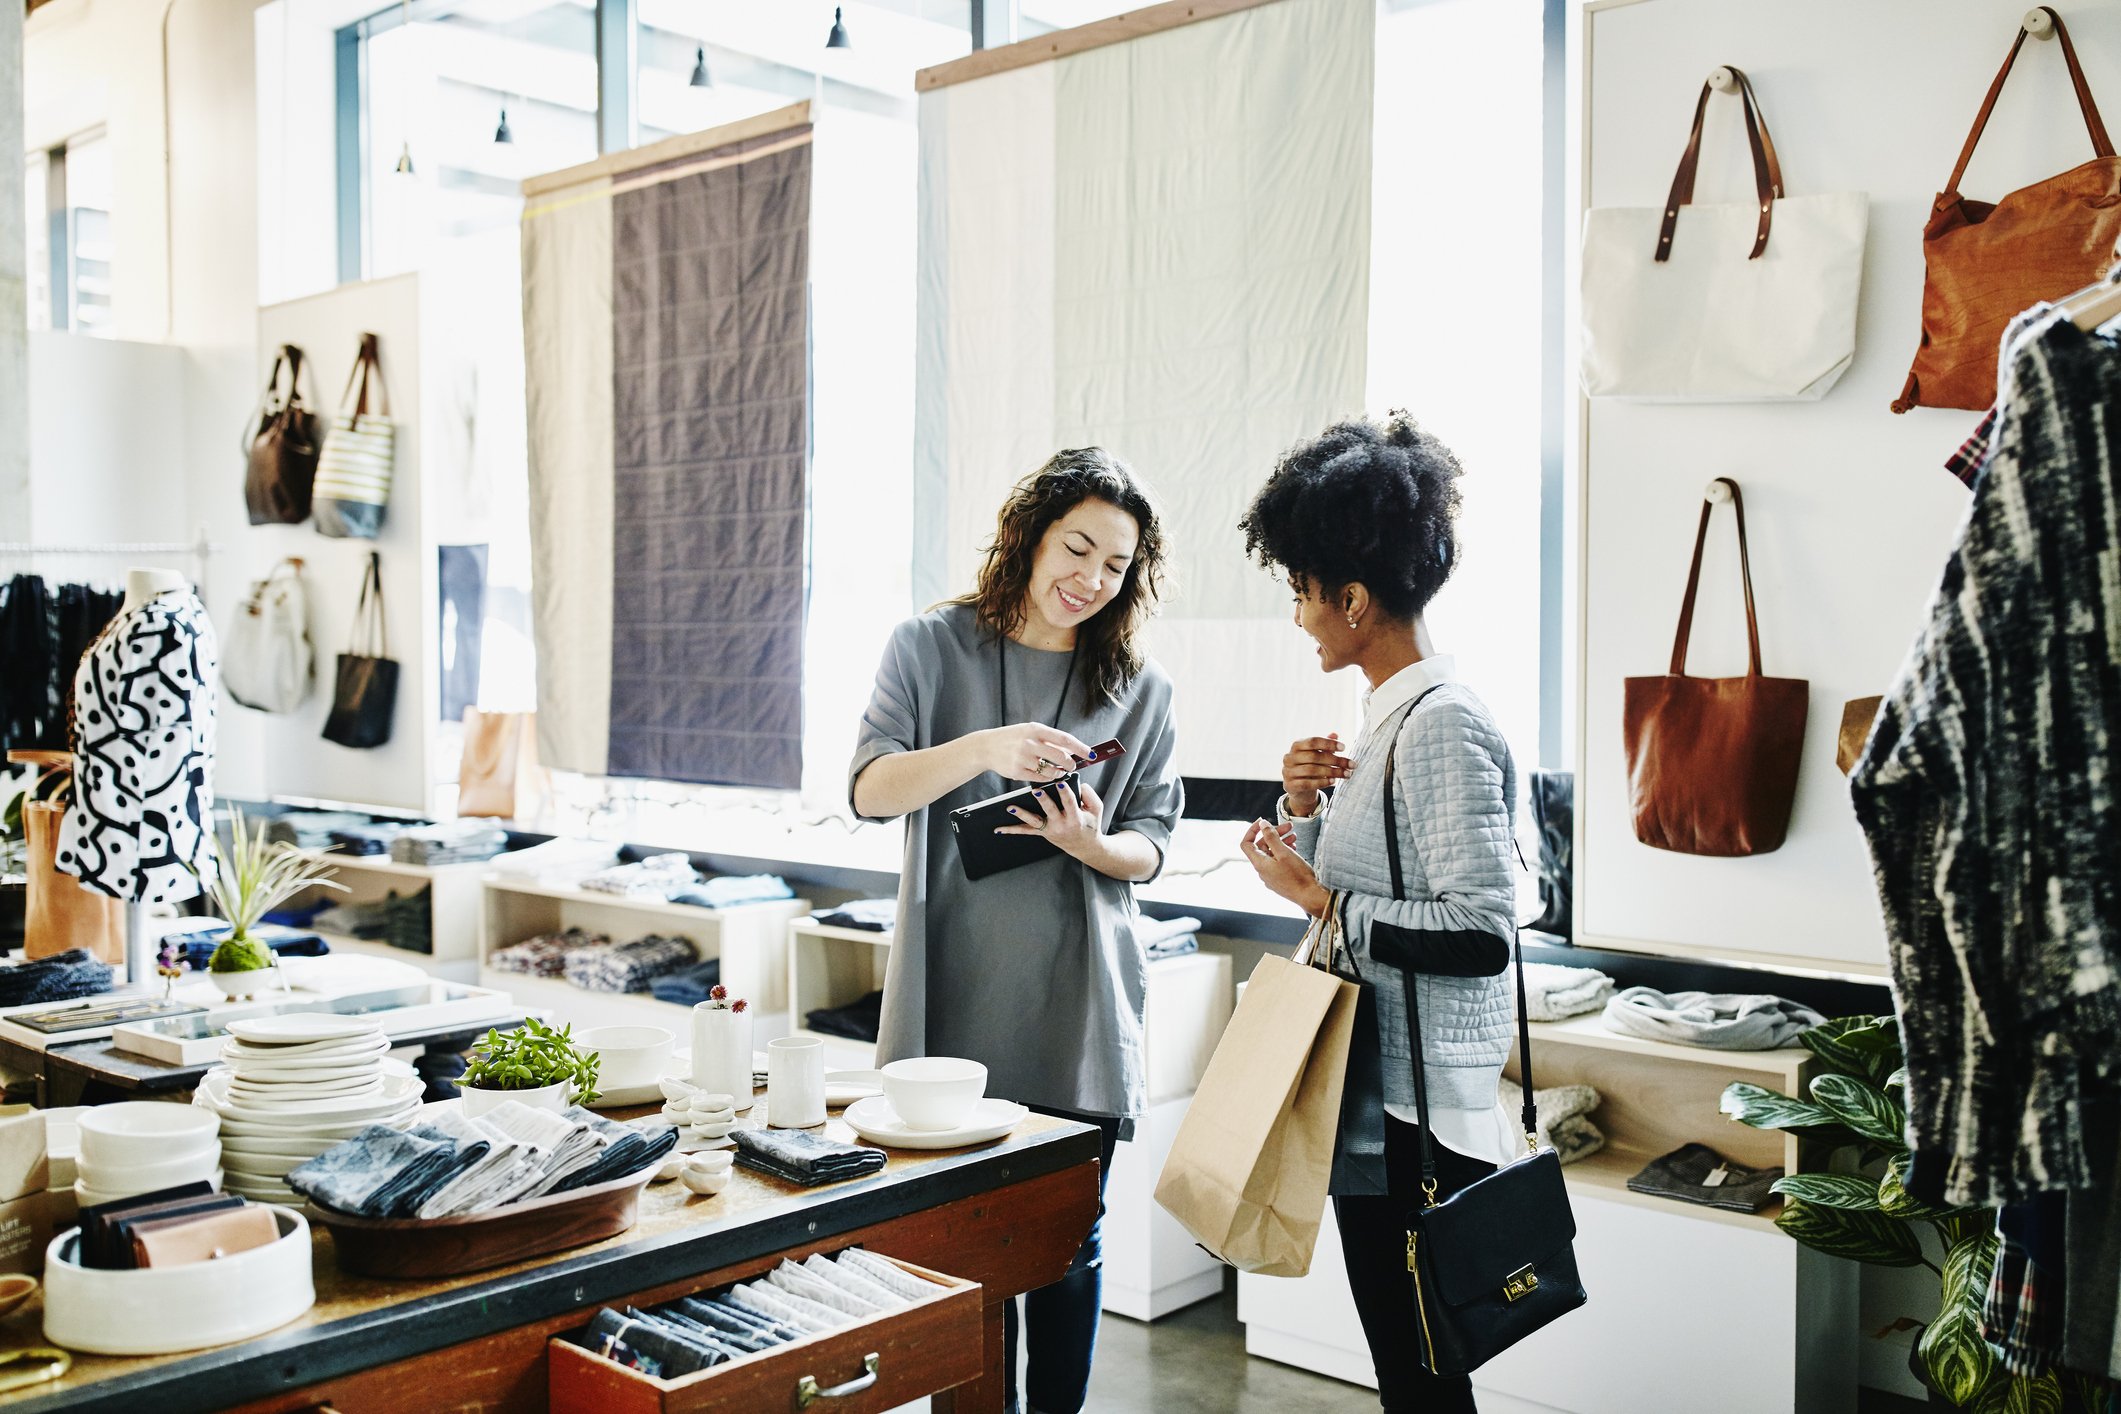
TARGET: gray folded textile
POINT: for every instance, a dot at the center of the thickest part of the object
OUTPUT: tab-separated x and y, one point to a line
668	1353
658	876
629	967
1573	1138
1555	993
801	1157
1151	931
362	1175
625	1150
1723	1021
870	915
1695	1173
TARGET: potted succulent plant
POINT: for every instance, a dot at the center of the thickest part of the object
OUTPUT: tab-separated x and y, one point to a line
534	1064
1857	1206
253	876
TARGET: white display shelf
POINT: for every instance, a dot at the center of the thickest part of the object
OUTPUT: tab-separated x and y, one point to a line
560	1002
453	907
830	966
457	970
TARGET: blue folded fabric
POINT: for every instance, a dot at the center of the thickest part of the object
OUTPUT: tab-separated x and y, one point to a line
626	1149
690	987
802	1157
870	915
363	1174
729	890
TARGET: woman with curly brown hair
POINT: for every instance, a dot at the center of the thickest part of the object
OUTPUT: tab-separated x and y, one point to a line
1035	972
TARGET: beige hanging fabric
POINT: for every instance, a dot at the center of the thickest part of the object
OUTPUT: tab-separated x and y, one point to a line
1248	1171
61	913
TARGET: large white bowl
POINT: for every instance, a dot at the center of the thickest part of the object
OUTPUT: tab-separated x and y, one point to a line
161	1310
934	1092
144	1131
146	1178
545	1097
628	1057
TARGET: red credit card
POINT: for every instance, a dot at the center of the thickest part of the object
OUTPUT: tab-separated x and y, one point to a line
1103	751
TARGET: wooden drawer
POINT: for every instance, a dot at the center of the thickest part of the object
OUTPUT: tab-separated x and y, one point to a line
871	1366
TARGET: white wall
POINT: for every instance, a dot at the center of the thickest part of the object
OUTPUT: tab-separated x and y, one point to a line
1849	509
14	318
106	440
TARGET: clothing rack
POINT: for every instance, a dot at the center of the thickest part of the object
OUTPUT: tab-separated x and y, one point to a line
200	549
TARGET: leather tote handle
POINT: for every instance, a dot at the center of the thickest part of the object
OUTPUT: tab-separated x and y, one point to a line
368	363
1693	583
2102	146
368	614
1767	168
1529	1113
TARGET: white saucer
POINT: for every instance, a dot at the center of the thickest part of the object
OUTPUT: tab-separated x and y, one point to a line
877	1122
845	1087
302	1027
398	1095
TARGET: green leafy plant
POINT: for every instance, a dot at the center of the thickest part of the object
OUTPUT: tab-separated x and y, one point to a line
253	876
531	1057
1854	1126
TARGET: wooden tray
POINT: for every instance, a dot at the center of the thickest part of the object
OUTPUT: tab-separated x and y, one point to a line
439	1247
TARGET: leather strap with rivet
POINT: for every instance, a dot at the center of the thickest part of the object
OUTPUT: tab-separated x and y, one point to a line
1767	168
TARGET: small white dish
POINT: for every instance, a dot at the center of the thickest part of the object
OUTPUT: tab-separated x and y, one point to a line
319	1053
398	1093
844	1087
705	1182
934	1092
878	1123
245	1129
144	1131
238	1152
672	1167
301	1028
257	1166
146	1178
88	1196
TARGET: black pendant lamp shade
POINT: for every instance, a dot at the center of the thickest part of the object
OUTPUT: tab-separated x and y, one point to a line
699	69
838	38
502	133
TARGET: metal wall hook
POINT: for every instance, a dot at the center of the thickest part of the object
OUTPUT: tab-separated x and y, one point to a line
1724	81
2039	23
1716	492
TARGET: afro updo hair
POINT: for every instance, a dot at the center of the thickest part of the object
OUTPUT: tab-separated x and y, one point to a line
1366	502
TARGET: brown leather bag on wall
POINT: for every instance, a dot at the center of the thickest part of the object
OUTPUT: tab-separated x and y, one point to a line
1712	762
1990	261
61	913
282	452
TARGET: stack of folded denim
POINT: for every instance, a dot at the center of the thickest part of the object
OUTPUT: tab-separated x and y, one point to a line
409	920
690	986
658	876
629	967
458	842
802	1157
60	977
695	1333
366	839
870	915
195	946
730	890
451	1164
856	1021
312	829
546	954
356	920
1167	937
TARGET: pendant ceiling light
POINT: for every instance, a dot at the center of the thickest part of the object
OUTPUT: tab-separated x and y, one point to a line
405	159
699	69
838	38
502	133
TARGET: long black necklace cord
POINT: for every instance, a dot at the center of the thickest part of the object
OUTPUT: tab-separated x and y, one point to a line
1001	663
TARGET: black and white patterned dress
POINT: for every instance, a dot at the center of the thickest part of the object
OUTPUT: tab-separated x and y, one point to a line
141	823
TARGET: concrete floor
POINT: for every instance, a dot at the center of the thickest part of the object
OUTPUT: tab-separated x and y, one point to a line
1194	1362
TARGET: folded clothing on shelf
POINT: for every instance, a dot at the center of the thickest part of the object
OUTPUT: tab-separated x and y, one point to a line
658	876
560	863
1695	1173
1722	1021
1556	993
408	920
369	921
195	946
695	1333
546	954
802	1157
1167	937
369	839
870	915
856	1021
58	978
629	967
456	842
312	829
1564	1118
689	986
731	890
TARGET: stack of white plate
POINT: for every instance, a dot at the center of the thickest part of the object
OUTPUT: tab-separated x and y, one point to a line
290	1087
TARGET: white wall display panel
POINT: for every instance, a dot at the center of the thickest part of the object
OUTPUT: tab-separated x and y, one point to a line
1849	509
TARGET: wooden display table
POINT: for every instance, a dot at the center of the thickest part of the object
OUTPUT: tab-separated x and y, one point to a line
1007	1215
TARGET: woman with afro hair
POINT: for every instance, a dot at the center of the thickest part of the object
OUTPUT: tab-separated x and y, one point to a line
1361	521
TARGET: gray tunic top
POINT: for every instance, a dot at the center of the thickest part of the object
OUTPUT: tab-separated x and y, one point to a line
1034	972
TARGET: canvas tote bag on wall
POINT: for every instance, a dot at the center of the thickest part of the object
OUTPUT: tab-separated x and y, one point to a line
267	660
1748	302
353	476
1712	762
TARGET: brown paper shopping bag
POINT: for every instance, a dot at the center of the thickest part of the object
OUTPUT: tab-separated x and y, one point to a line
500	775
61	913
1248	1171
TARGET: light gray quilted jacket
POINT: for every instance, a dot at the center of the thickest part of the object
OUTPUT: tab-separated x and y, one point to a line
1457	802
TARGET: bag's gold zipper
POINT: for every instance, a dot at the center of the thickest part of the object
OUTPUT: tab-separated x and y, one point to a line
1421	1306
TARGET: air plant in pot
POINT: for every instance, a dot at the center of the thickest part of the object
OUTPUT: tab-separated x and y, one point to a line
534	1064
252	877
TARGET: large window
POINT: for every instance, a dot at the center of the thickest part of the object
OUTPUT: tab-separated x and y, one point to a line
67	209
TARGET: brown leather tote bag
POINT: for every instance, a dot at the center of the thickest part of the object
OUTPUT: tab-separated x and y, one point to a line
1990	261
282	452
1712	762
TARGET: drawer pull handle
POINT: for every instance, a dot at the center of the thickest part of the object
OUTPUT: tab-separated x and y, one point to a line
806	1390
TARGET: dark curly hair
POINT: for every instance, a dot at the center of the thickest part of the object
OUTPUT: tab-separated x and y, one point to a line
1111	640
1374	503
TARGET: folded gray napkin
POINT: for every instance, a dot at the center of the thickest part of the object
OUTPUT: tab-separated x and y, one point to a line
1723	1021
1695	1173
802	1157
365	1174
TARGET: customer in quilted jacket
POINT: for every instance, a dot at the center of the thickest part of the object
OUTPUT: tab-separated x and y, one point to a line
1362	523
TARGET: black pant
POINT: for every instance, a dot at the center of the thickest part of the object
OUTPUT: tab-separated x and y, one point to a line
1373	1235
1062	1318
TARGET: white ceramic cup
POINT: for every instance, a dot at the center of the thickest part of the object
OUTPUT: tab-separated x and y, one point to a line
934	1092
721	1053
628	1057
795	1082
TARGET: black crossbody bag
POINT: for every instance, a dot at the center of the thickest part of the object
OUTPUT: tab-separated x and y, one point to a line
1496	1260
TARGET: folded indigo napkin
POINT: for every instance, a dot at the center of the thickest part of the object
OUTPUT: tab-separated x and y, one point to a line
801	1157
1695	1173
1722	1021
626	1149
367	1174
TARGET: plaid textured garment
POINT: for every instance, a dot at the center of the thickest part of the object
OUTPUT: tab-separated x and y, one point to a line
1966	463
2023	1314
629	967
545	955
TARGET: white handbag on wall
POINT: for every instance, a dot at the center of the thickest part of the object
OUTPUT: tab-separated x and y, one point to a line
267	661
1727	303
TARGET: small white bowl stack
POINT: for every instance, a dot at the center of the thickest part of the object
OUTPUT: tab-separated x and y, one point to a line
139	1146
290	1087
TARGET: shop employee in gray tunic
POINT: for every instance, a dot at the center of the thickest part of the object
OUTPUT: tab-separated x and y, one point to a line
1034	971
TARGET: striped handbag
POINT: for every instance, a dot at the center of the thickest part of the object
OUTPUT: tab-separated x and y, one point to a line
353	474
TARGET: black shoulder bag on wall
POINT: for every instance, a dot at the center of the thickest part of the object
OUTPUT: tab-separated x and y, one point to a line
368	676
281	448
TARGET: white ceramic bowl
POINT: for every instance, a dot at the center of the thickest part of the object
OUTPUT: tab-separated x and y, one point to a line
934	1092
629	1057
146	1178
144	1131
161	1310
86	1196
